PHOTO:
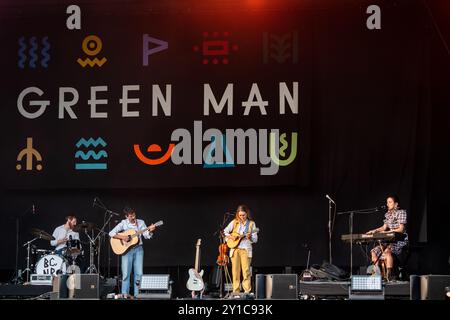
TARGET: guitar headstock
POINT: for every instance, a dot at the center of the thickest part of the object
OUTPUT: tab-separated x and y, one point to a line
199	242
159	223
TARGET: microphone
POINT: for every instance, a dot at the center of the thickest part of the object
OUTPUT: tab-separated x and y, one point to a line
328	197
32	209
113	213
93	203
382	207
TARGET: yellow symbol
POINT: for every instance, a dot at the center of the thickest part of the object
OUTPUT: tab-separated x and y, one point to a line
29	152
92	45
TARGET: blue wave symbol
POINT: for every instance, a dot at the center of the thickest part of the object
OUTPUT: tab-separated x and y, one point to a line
32	52
22	56
91	141
91	154
44	52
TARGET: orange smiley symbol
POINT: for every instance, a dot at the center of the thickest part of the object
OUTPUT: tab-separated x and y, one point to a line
153	148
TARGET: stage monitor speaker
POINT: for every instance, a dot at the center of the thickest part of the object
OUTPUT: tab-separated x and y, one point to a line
60	288
432	287
282	286
414	287
260	286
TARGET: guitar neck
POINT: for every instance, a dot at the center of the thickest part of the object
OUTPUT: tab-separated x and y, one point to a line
139	232
197	259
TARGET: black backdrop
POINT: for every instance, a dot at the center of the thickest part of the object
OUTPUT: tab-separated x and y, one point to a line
377	103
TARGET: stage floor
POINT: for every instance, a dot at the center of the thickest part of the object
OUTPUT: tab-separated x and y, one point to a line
306	290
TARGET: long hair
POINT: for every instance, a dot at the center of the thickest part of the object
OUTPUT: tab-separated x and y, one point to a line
242	207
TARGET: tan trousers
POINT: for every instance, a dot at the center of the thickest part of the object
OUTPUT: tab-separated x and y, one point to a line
241	261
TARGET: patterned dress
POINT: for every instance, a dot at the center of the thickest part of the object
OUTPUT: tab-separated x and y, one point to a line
393	220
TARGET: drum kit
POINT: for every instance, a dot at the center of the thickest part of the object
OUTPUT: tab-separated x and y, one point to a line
48	262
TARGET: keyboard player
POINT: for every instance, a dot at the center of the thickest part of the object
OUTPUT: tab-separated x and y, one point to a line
395	221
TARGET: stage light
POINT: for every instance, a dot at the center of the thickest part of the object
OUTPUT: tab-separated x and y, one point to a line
154	282
155	286
366	288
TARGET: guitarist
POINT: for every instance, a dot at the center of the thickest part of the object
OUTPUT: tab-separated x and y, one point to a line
134	258
241	256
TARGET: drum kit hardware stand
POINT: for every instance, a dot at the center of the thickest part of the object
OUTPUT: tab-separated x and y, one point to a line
28	245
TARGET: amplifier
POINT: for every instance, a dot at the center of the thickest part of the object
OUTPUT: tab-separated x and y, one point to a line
76	286
432	287
282	286
41	279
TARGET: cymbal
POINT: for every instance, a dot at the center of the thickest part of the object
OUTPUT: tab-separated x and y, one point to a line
84	225
41	234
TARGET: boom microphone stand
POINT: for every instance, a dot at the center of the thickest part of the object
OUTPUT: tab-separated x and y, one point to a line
102	230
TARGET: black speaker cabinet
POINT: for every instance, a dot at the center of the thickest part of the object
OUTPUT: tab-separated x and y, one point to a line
86	286
414	287
260	286
432	287
281	286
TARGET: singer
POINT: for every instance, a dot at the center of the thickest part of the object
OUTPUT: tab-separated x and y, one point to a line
133	259
392	253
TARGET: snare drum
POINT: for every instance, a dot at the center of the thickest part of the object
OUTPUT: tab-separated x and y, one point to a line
73	247
51	264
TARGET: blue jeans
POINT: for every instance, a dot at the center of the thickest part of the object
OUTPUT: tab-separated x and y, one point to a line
133	259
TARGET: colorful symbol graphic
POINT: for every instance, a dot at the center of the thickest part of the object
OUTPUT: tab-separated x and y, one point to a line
209	163
29	152
33	52
280	48
275	155
92	45
146	51
153	148
216	47
90	155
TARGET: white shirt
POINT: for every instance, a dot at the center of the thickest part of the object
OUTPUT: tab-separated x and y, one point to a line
61	233
125	225
245	243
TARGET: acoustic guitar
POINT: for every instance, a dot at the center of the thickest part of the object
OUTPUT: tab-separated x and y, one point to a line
121	247
234	243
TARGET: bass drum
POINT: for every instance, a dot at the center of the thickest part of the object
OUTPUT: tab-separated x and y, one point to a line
51	264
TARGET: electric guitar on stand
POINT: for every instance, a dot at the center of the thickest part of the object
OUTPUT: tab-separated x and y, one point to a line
195	282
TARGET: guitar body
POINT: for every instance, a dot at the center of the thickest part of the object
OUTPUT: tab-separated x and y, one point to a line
121	247
195	281
234	243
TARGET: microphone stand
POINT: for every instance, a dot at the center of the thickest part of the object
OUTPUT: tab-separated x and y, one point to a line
330	228
350	224
17	275
102	230
222	240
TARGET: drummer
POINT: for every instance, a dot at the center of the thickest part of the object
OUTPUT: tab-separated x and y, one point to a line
64	233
